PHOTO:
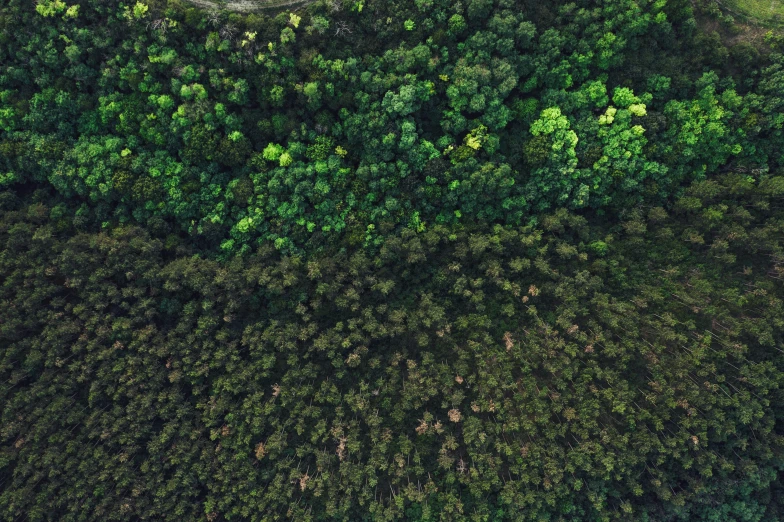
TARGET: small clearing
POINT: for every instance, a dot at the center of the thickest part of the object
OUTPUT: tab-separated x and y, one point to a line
248	6
768	12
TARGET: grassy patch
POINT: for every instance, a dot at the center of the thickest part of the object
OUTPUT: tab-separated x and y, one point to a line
764	11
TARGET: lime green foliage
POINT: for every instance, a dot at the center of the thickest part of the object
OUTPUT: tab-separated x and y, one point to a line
273	151
608	117
140	10
559	173
50	7
136	12
638	109
476	137
285	159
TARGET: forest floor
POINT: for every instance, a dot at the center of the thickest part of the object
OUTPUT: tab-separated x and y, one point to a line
762	11
247	6
742	32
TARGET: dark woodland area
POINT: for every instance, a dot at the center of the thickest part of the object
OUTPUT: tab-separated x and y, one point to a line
364	260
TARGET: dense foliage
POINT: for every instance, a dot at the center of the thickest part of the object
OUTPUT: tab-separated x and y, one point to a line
513	374
249	129
485	260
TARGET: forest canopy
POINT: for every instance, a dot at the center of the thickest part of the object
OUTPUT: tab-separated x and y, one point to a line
477	260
